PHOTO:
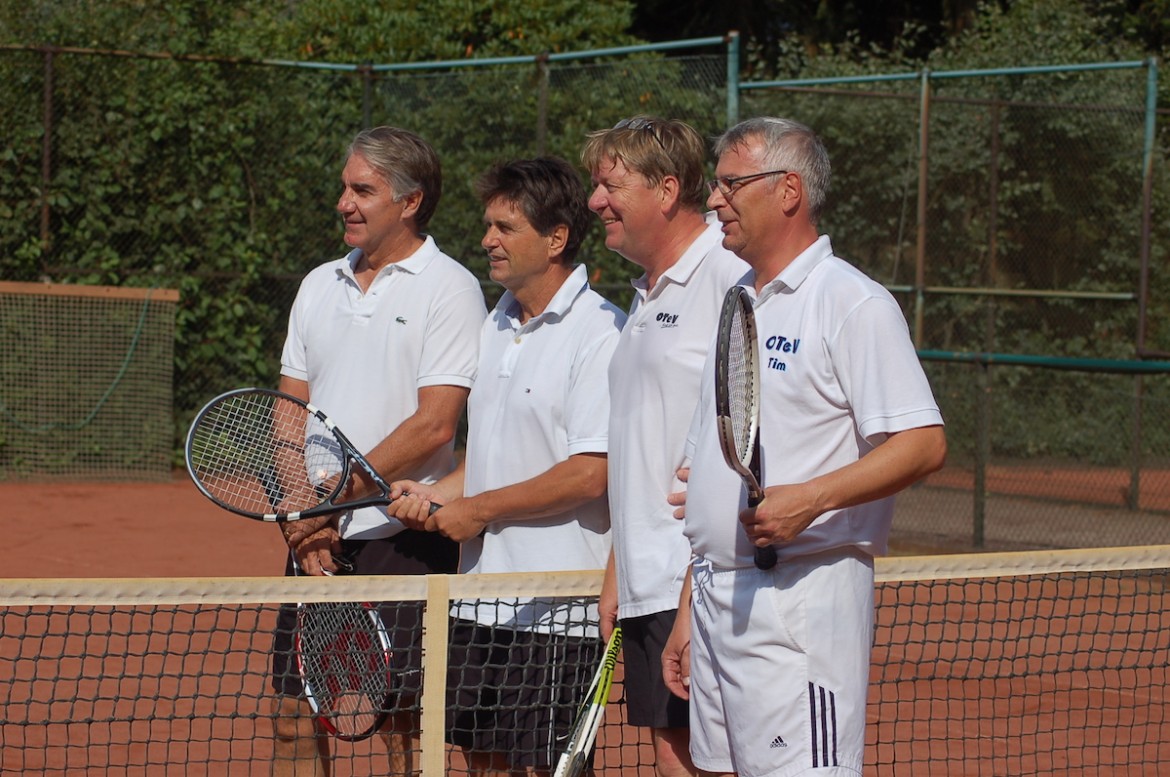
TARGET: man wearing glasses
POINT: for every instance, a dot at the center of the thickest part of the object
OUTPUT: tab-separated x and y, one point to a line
648	191
779	660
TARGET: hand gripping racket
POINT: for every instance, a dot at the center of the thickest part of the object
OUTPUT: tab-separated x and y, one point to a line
269	456
576	754
343	655
737	399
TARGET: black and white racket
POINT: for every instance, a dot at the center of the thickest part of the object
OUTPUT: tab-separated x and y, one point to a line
269	456
576	754
344	658
737	399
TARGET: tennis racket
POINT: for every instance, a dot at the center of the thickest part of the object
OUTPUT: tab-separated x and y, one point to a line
737	399
269	456
576	754
343	655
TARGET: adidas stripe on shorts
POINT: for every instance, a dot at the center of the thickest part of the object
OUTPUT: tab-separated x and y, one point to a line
780	665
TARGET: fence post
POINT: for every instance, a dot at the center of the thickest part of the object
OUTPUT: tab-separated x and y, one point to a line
542	76
1134	492
1133	495
982	453
367	74
984	409
1150	136
732	78
47	162
920	246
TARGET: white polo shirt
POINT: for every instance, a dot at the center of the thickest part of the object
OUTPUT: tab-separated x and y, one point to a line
365	356
654	381
541	397
838	373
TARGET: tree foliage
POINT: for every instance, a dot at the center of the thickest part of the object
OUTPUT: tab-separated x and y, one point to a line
219	177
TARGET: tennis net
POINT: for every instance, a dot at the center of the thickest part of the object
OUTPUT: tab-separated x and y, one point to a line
86	382
1020	663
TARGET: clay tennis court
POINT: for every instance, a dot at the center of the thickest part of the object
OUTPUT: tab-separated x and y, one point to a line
1046	675
132	530
170	530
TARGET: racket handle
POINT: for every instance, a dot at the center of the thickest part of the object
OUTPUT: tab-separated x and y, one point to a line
765	557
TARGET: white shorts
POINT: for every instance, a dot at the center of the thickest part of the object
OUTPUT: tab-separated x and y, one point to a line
780	665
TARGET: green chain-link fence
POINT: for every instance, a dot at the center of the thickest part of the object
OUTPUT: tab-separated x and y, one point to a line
1010	211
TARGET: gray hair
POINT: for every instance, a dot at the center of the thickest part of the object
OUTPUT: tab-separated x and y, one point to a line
407	163
786	145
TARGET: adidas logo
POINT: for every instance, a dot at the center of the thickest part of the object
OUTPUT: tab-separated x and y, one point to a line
778	742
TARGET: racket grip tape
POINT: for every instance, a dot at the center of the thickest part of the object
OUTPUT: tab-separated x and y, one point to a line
765	557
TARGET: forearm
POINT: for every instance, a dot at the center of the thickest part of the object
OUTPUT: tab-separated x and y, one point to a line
564	486
676	662
607	601
787	510
447	489
416	439
409	446
900	461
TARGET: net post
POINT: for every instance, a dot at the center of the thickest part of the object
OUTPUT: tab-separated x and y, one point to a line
434	644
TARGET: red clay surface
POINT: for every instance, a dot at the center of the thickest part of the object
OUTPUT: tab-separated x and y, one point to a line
1106	486
999	682
131	530
171	530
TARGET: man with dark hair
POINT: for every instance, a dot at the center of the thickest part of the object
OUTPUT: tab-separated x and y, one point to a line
385	340
648	191
530	495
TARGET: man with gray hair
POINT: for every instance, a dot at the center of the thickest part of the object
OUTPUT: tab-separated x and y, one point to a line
386	341
779	659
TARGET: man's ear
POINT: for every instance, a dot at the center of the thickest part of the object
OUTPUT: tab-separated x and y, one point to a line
791	192
668	191
411	203
557	239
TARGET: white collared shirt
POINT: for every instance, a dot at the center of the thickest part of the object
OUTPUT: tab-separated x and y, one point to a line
838	374
541	397
654	382
366	355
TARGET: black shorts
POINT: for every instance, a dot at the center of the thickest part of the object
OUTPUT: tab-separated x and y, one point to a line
406	553
516	692
648	701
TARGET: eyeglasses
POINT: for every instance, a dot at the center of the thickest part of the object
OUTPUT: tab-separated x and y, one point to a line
729	186
640	124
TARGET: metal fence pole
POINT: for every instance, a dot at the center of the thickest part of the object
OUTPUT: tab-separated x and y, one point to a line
923	167
982	454
542	78
47	162
732	78
1149	138
1133	496
366	72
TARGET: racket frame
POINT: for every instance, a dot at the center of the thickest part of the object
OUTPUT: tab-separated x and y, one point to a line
349	456
380	637
573	759
743	456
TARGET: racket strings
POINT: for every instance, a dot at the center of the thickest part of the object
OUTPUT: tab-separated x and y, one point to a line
345	663
259	453
740	386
